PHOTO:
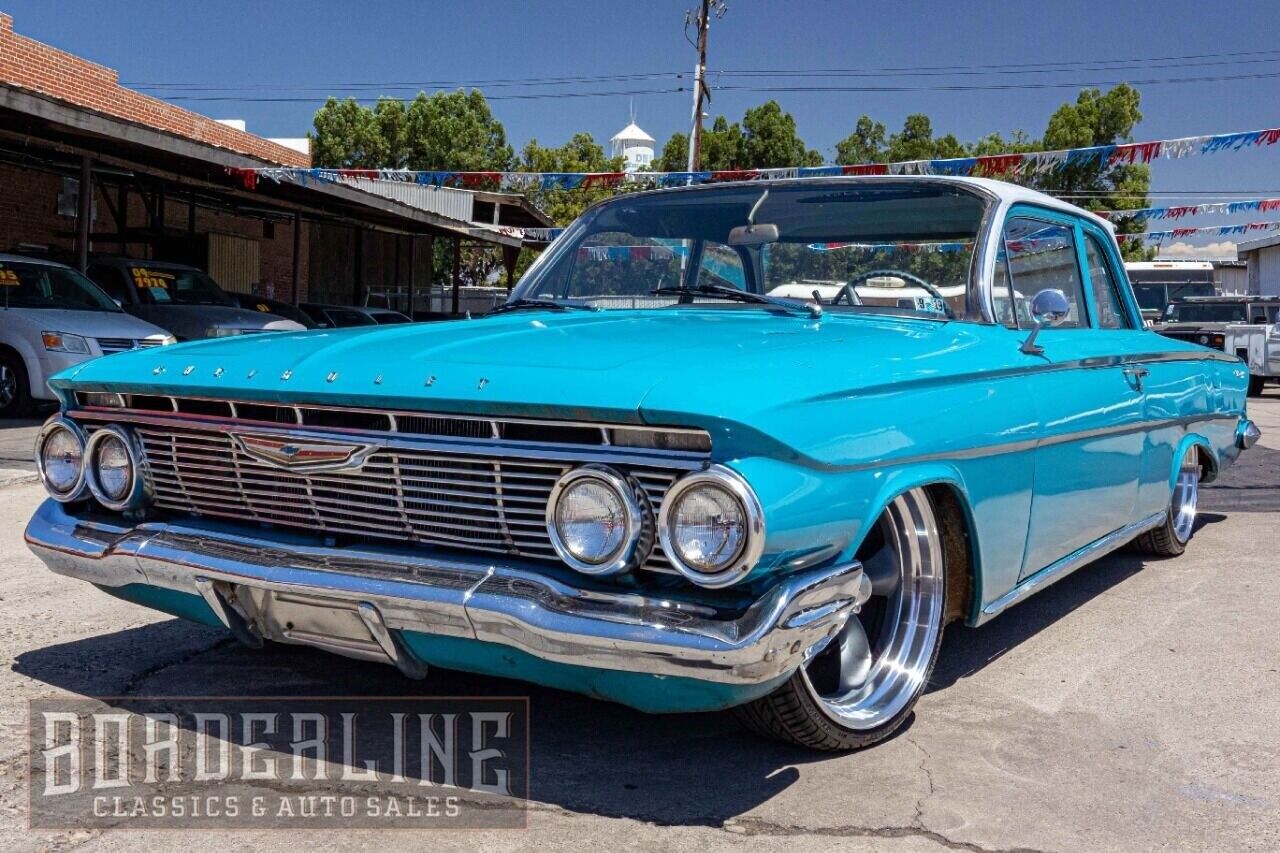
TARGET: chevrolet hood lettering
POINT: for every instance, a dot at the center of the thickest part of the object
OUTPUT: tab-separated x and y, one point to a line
296	454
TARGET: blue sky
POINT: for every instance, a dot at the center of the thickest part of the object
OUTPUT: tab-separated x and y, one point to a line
290	49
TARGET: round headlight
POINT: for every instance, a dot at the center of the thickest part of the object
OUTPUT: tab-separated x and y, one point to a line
712	527
594	520
112	469
1204	339
60	457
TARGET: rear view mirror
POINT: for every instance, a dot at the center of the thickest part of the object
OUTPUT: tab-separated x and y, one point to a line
753	235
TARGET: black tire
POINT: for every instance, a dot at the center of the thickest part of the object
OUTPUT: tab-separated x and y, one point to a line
15	389
1164	541
797	713
1160	542
791	715
1256	384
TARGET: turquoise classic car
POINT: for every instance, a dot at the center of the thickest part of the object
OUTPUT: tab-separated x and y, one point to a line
647	479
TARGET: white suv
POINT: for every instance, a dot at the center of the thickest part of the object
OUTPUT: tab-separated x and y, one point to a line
52	317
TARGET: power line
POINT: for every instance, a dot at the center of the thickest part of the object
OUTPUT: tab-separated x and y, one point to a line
1228	58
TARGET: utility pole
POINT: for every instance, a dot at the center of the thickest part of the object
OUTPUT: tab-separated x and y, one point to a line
703	20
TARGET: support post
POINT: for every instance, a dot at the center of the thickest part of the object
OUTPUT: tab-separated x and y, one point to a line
122	216
457	274
297	254
510	258
84	212
413	273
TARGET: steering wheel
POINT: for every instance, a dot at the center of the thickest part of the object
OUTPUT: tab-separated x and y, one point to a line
911	278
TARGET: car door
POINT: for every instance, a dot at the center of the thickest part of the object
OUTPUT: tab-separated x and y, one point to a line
1088	397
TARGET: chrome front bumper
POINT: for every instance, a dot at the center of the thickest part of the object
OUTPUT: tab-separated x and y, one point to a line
357	602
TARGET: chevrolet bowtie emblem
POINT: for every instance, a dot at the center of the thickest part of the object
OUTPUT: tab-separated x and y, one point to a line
302	455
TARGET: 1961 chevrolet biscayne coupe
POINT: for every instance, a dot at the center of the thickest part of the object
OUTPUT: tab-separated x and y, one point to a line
646	479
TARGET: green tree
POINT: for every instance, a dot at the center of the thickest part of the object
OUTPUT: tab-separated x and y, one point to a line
446	131
347	135
769	139
865	145
1099	119
675	154
916	142
580	154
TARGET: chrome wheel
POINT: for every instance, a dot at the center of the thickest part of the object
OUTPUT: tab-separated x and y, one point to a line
8	386
878	664
1186	494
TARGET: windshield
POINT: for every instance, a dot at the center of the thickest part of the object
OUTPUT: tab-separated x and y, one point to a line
1207	312
900	246
169	285
42	286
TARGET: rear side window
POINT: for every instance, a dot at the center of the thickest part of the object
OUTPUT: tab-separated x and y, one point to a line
1106	295
1042	256
110	280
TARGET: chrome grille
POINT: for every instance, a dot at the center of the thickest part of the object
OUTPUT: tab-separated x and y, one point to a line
474	502
110	345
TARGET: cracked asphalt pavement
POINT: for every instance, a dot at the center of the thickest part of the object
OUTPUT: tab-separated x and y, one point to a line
1132	706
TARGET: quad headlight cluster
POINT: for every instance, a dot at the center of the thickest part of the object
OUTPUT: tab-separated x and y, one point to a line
106	463
710	524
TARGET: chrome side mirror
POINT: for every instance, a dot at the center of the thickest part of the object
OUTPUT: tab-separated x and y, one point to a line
1048	308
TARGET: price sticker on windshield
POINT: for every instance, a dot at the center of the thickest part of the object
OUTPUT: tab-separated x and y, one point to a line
143	277
8	278
931	305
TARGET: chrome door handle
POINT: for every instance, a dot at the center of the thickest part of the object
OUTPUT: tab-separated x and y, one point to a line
1136	373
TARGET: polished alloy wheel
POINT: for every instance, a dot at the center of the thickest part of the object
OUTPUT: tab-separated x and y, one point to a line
8	386
878	664
1186	494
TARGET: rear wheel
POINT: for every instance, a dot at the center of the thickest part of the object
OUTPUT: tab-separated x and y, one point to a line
15	391
862	686
1170	539
1256	384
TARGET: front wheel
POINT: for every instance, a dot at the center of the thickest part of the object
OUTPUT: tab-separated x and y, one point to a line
862	686
15	393
1256	384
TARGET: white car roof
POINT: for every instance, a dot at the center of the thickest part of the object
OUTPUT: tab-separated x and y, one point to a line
6	258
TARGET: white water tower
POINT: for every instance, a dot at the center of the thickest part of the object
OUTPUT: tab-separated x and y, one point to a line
634	146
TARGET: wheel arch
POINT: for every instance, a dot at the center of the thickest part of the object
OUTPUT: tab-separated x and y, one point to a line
946	489
1206	456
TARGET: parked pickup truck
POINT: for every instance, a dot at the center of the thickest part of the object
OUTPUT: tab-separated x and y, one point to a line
1245	326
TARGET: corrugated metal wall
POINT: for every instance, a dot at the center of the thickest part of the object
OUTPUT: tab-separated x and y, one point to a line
1264	271
234	262
455	204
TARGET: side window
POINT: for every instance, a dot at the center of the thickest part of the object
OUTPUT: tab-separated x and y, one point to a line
1042	256
108	278
721	266
1106	294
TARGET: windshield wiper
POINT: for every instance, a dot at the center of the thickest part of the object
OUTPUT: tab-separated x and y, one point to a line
809	309
540	305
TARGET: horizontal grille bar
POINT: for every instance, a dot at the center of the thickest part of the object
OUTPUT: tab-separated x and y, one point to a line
691	444
484	503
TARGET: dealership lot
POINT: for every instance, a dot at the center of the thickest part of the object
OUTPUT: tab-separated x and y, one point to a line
1131	706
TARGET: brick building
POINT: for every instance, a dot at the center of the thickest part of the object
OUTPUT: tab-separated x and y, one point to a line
165	185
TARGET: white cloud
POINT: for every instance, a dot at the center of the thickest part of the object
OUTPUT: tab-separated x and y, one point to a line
1226	249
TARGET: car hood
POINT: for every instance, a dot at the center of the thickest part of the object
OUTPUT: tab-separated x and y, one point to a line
717	369
89	324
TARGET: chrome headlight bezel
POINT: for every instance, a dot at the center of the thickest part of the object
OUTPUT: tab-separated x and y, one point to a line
752	547
135	494
625	557
55	424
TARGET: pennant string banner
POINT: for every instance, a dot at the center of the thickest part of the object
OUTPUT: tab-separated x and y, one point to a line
990	166
1183	210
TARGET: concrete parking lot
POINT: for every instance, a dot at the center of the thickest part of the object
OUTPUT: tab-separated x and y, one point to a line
1133	706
